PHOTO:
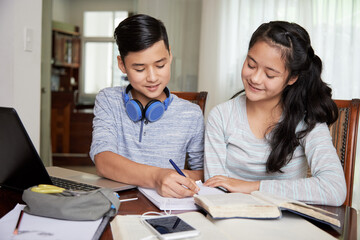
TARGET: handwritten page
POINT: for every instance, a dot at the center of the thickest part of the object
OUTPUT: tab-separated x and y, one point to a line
164	203
35	227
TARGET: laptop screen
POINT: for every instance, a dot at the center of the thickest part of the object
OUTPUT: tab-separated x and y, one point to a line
20	164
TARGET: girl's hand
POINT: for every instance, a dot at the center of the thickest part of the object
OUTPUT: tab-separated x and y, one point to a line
233	184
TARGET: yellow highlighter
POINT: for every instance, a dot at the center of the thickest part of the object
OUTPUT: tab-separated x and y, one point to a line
46	188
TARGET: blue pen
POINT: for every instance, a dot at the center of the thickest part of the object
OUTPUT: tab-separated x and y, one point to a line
176	168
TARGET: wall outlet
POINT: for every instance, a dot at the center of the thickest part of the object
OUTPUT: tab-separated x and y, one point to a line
28	39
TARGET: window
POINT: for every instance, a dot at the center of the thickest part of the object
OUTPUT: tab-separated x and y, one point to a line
99	63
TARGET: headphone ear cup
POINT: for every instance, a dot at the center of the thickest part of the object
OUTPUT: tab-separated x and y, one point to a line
154	110
134	110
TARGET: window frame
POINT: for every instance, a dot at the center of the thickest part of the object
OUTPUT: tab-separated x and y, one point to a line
85	98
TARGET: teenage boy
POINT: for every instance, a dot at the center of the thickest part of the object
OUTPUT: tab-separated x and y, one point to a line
138	128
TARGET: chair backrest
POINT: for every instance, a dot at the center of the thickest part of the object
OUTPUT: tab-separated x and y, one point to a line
344	135
198	98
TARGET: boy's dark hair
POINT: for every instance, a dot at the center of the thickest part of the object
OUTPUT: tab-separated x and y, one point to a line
139	32
308	99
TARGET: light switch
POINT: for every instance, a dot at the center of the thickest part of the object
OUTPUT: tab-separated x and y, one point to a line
28	40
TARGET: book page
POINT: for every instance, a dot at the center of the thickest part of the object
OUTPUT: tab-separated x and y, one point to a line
280	201
130	227
204	190
165	203
237	205
231	199
300	207
311	213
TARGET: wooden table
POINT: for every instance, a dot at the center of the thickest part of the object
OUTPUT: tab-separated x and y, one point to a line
347	215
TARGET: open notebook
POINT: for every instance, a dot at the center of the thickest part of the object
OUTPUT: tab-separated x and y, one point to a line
21	166
165	203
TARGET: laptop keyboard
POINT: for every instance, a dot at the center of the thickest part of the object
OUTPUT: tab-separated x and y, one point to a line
71	185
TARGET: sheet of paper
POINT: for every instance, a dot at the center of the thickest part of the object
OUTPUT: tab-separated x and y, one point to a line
164	203
129	227
35	227
204	190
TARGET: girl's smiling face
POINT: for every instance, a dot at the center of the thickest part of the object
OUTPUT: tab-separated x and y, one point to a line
264	74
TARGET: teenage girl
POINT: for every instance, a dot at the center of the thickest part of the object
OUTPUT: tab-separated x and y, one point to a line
267	136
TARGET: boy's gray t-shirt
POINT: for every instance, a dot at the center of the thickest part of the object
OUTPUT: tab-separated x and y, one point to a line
179	131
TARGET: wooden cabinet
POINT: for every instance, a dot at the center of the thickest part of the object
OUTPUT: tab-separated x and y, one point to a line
71	131
62	106
71	127
65	65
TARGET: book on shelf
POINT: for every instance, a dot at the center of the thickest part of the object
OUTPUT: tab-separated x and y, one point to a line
259	205
66	49
76	50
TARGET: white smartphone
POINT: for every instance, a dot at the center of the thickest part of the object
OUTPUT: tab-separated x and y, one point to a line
170	227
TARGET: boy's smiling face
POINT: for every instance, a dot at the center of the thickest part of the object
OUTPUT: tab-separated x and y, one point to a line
148	72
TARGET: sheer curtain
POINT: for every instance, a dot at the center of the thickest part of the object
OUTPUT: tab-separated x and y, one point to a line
227	25
182	21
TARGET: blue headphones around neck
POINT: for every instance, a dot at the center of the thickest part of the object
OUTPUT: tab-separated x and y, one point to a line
153	110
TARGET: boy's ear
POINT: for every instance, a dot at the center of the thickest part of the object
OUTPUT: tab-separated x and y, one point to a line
121	64
293	80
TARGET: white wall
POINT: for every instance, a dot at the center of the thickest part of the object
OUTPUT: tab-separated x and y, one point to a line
71	11
20	69
61	10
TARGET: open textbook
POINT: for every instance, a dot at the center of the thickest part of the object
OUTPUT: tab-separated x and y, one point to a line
130	227
259	205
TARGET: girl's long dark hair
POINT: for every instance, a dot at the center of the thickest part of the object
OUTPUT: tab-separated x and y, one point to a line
308	99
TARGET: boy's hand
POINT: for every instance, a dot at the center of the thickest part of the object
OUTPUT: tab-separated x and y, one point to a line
168	183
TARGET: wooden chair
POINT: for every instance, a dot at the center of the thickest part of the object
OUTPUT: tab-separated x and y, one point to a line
344	135
196	97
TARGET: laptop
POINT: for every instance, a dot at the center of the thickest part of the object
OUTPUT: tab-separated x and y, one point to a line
21	166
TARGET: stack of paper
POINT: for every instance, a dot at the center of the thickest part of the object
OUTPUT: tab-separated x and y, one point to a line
34	227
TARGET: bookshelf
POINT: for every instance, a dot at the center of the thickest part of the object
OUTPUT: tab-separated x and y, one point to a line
71	125
65	63
66	52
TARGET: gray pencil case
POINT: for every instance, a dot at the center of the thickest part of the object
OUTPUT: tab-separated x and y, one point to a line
91	205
